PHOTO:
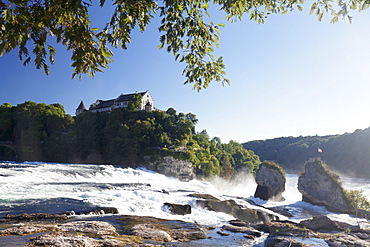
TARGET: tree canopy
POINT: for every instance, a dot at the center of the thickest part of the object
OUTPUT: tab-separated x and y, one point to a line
122	137
33	26
347	153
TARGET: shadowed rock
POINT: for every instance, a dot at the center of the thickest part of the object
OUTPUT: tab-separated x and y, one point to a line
178	208
97	211
234	209
34	217
172	167
325	224
243	229
322	187
274	241
270	178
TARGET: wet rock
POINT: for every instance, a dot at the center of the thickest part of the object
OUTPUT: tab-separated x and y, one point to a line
150	231
223	233
239	223
343	240
178	208
283	229
270	179
34	217
243	229
134	219
231	207
325	224
249	237
147	245
274	241
322	187
203	196
95	211
281	210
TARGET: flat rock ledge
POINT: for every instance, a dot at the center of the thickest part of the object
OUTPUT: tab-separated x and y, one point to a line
150	231
289	234
95	233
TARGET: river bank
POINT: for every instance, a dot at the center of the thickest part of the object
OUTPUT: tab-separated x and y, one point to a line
128	230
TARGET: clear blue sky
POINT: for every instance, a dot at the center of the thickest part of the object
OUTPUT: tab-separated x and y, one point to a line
290	76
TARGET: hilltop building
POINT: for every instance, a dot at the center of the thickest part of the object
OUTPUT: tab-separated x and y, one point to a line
122	101
81	108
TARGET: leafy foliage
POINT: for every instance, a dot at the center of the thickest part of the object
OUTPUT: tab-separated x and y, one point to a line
357	200
274	166
123	137
348	153
32	26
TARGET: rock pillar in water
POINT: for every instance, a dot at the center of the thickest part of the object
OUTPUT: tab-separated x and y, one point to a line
270	179
322	187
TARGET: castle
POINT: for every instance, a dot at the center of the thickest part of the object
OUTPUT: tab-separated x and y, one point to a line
122	101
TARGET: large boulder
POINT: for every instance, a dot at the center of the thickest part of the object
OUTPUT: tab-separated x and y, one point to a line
231	207
271	180
325	224
320	186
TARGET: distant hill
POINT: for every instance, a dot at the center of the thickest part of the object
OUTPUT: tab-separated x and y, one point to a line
348	154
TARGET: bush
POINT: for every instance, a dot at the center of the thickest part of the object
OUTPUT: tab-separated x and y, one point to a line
357	200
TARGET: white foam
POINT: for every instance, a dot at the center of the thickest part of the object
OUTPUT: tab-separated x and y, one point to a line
104	185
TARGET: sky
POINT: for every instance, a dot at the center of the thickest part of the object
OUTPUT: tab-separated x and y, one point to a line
291	76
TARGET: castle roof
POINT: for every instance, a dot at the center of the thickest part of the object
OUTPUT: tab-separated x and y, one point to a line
108	103
127	97
81	106
103	104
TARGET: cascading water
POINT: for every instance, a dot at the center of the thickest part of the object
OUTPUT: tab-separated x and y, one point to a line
53	188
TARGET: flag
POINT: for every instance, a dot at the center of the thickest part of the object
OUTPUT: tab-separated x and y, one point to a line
319	150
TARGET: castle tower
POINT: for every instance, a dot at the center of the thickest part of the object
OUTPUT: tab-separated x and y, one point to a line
81	108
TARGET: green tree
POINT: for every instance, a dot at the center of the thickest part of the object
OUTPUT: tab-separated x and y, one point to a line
135	102
33	26
6	123
37	124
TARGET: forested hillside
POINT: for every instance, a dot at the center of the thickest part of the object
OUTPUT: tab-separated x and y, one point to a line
348	154
123	137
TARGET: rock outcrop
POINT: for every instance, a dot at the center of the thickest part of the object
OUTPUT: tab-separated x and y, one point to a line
178	208
271	180
156	229
324	223
320	186
169	166
234	209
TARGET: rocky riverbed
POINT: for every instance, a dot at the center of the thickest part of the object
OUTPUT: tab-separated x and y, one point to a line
126	230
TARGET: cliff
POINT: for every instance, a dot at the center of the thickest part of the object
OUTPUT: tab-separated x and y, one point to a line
169	166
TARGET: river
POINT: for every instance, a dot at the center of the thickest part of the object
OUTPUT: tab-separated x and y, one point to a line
33	187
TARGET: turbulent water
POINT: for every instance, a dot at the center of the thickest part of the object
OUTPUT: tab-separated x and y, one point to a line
55	188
